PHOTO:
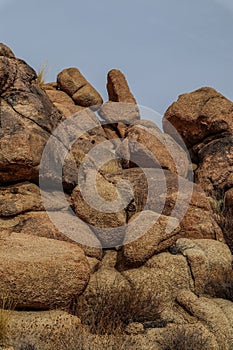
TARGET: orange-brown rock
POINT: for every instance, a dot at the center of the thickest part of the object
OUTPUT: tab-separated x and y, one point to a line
228	216
142	241
215	170
94	209
150	148
199	114
116	112
118	89
72	82
62	101
165	193
6	51
41	273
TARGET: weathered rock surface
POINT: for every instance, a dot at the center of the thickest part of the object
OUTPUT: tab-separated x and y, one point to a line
172	280
199	114
6	51
118	89
228	213
39	224
210	263
39	273
116	112
72	82
149	148
215	169
146	235
45	330
165	193
210	315
96	212
61	100
27	119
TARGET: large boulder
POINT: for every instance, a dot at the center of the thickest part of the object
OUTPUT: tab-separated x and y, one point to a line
146	235
214	172
168	194
150	148
40	273
214	315
44	330
210	263
27	119
228	214
198	115
118	89
93	205
72	82
61	100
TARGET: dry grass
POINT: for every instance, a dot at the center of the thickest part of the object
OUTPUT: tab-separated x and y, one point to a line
108	310
6	307
41	75
184	339
86	341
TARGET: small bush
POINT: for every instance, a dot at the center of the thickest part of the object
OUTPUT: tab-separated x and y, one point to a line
41	75
186	339
27	347
83	340
109	310
5	313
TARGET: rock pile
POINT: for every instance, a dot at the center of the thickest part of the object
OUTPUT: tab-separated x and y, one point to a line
145	228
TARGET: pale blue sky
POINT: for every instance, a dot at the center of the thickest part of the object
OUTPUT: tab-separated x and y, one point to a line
165	47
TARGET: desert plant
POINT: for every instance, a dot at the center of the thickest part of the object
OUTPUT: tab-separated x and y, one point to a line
5	313
41	75
84	340
186	339
108	310
27	347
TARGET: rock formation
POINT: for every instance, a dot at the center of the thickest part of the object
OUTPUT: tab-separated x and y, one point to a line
107	240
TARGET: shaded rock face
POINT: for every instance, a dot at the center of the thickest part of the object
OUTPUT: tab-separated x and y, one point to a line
152	242
204	120
27	119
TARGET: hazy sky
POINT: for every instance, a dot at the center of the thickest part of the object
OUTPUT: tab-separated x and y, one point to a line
164	47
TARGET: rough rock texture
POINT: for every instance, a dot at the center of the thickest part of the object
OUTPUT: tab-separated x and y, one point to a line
146	241
75	85
150	243
165	193
40	273
27	119
200	114
210	263
215	170
96	212
61	100
204	120
118	89
116	112
149	148
46	330
211	315
228	212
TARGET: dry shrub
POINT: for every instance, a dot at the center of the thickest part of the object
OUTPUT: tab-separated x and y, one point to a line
108	310
186	339
5	313
83	340
41	75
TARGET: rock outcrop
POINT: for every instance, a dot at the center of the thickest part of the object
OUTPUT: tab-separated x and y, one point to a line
107	237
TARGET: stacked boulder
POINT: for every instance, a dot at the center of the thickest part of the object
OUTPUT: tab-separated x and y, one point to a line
180	257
